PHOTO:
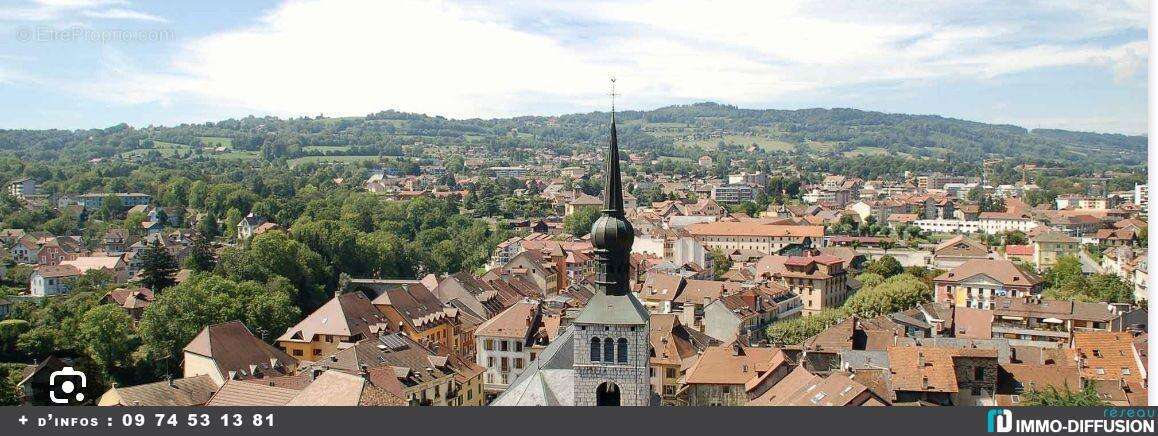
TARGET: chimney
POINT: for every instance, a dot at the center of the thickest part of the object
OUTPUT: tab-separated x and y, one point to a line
169	379
333	358
363	371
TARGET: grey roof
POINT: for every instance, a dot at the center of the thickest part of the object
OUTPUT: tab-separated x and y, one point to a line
613	310
549	380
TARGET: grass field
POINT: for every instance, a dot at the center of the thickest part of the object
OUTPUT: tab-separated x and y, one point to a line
325	148
866	151
768	144
334	159
216	141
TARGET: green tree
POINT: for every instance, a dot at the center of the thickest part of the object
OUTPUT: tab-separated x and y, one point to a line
107	332
158	267
897	293
9	396
10	331
208	228
111	207
721	263
200	256
579	223
868	279
793	331
1064	397
886	266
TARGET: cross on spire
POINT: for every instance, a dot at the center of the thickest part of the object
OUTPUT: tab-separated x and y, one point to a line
612	94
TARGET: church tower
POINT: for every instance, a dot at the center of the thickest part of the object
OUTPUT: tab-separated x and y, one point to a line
611	348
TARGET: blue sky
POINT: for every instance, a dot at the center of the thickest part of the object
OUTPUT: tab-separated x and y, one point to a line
1077	65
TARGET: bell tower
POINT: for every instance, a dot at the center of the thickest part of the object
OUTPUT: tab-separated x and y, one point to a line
612	349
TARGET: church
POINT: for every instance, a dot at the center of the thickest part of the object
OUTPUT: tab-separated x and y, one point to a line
602	358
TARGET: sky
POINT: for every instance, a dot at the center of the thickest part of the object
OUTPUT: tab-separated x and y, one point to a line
1078	65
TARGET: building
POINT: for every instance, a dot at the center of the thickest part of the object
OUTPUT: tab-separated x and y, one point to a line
94	201
977	282
247	227
345	319
582	202
676	349
733	193
1111	356
509	172
803	388
414	310
993	223
1082	202
957	250
413	372
51	280
182	392
1142	196
721	375
758	179
507	343
765	238
23	188
603	357
229	351
1049	246
820	281
943	375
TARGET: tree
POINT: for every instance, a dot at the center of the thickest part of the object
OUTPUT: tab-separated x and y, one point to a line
180	313
886	266
897	293
10	331
200	256
111	207
869	279
158	267
579	222
107	331
1064	397
8	393
795	330
721	263
208	228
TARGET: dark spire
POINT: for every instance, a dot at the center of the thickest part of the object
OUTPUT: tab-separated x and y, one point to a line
612	186
612	234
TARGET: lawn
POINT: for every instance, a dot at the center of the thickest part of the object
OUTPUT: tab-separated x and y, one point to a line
325	148
866	151
216	141
768	144
331	159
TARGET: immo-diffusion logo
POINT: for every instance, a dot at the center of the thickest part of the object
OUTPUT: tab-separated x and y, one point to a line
1000	421
1113	420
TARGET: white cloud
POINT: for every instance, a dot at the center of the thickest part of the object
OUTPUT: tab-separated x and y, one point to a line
123	14
467	60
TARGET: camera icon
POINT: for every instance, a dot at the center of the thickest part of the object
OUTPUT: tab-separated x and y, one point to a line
66	382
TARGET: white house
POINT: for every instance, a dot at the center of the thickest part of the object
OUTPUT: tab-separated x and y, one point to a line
507	343
50	280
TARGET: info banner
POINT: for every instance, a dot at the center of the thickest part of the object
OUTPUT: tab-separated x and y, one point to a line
556	421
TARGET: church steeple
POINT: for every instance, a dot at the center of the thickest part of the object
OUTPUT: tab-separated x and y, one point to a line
612	234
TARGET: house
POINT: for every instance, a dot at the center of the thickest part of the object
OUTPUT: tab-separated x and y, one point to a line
247	227
803	388
229	351
113	265
943	375
675	349
745	315
1000	222
423	377
660	290
5	307
337	388
1110	356
506	343
418	313
182	392
345	319
582	202
820	281
50	280
976	282
957	250
23	188
261	392
721	375
1049	246
133	300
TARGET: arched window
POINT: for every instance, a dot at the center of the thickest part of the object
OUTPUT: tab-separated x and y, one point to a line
622	355
594	349
608	350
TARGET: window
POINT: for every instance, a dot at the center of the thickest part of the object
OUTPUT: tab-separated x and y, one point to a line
518	346
671	373
594	349
608	350
489	344
518	363
727	389
978	373
317	351
297	353
504	346
621	357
